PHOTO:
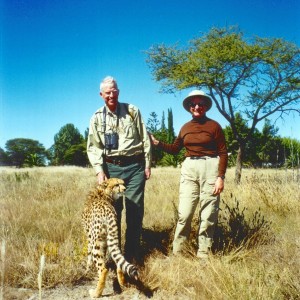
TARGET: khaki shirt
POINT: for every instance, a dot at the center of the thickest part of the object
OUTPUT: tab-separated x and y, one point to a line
133	136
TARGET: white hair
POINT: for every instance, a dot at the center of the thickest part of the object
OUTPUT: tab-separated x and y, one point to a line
108	80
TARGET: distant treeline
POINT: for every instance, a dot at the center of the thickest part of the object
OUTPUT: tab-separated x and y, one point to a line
264	149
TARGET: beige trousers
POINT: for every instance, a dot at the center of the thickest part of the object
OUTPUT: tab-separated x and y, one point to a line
198	177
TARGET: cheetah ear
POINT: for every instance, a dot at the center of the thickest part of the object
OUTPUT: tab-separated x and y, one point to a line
121	181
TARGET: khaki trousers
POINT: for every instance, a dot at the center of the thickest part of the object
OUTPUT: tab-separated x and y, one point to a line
198	177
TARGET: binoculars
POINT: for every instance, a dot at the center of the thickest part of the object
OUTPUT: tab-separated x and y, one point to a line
111	141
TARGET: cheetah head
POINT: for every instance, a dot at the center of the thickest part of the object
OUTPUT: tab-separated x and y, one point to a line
113	187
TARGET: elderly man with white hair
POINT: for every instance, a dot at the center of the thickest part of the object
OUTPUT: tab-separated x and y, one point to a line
119	146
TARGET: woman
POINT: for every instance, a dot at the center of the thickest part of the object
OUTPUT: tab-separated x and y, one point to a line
202	173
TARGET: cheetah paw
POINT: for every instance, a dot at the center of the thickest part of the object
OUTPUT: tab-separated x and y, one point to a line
94	294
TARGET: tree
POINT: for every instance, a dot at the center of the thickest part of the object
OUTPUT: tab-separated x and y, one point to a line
86	134
171	134
33	159
272	150
76	155
167	135
163	125
257	78
153	128
152	123
264	148
4	159
291	152
67	136
25	152
233	145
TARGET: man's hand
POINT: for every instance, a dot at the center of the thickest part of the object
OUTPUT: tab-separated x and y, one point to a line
101	177
147	173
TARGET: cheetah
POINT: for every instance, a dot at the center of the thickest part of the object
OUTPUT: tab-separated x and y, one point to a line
100	223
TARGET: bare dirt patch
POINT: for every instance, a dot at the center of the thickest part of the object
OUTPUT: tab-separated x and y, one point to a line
73	293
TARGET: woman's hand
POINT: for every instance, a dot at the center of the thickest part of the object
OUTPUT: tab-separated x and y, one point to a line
154	140
219	186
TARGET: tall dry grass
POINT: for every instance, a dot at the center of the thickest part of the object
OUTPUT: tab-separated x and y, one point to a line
257	241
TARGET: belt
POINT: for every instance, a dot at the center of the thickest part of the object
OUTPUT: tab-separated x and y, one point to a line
202	157
124	160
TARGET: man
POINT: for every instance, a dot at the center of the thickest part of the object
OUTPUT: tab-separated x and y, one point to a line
119	146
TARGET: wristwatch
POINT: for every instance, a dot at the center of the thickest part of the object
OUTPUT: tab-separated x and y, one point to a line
223	177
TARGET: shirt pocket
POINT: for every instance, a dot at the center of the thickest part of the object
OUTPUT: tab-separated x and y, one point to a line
128	129
100	134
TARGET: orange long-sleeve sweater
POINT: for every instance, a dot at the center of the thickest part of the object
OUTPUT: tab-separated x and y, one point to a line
200	137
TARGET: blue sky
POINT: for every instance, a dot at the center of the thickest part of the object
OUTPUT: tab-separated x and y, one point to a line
55	53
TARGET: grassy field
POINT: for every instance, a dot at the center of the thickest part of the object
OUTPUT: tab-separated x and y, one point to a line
256	249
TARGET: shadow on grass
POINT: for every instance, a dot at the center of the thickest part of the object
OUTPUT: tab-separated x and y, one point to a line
234	230
154	240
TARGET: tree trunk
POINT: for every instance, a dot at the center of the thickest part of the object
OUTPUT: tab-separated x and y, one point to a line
239	165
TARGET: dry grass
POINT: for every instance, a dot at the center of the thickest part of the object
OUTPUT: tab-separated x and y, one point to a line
257	248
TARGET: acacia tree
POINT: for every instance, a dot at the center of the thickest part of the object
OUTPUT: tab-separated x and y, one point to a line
4	159
22	152
256	77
